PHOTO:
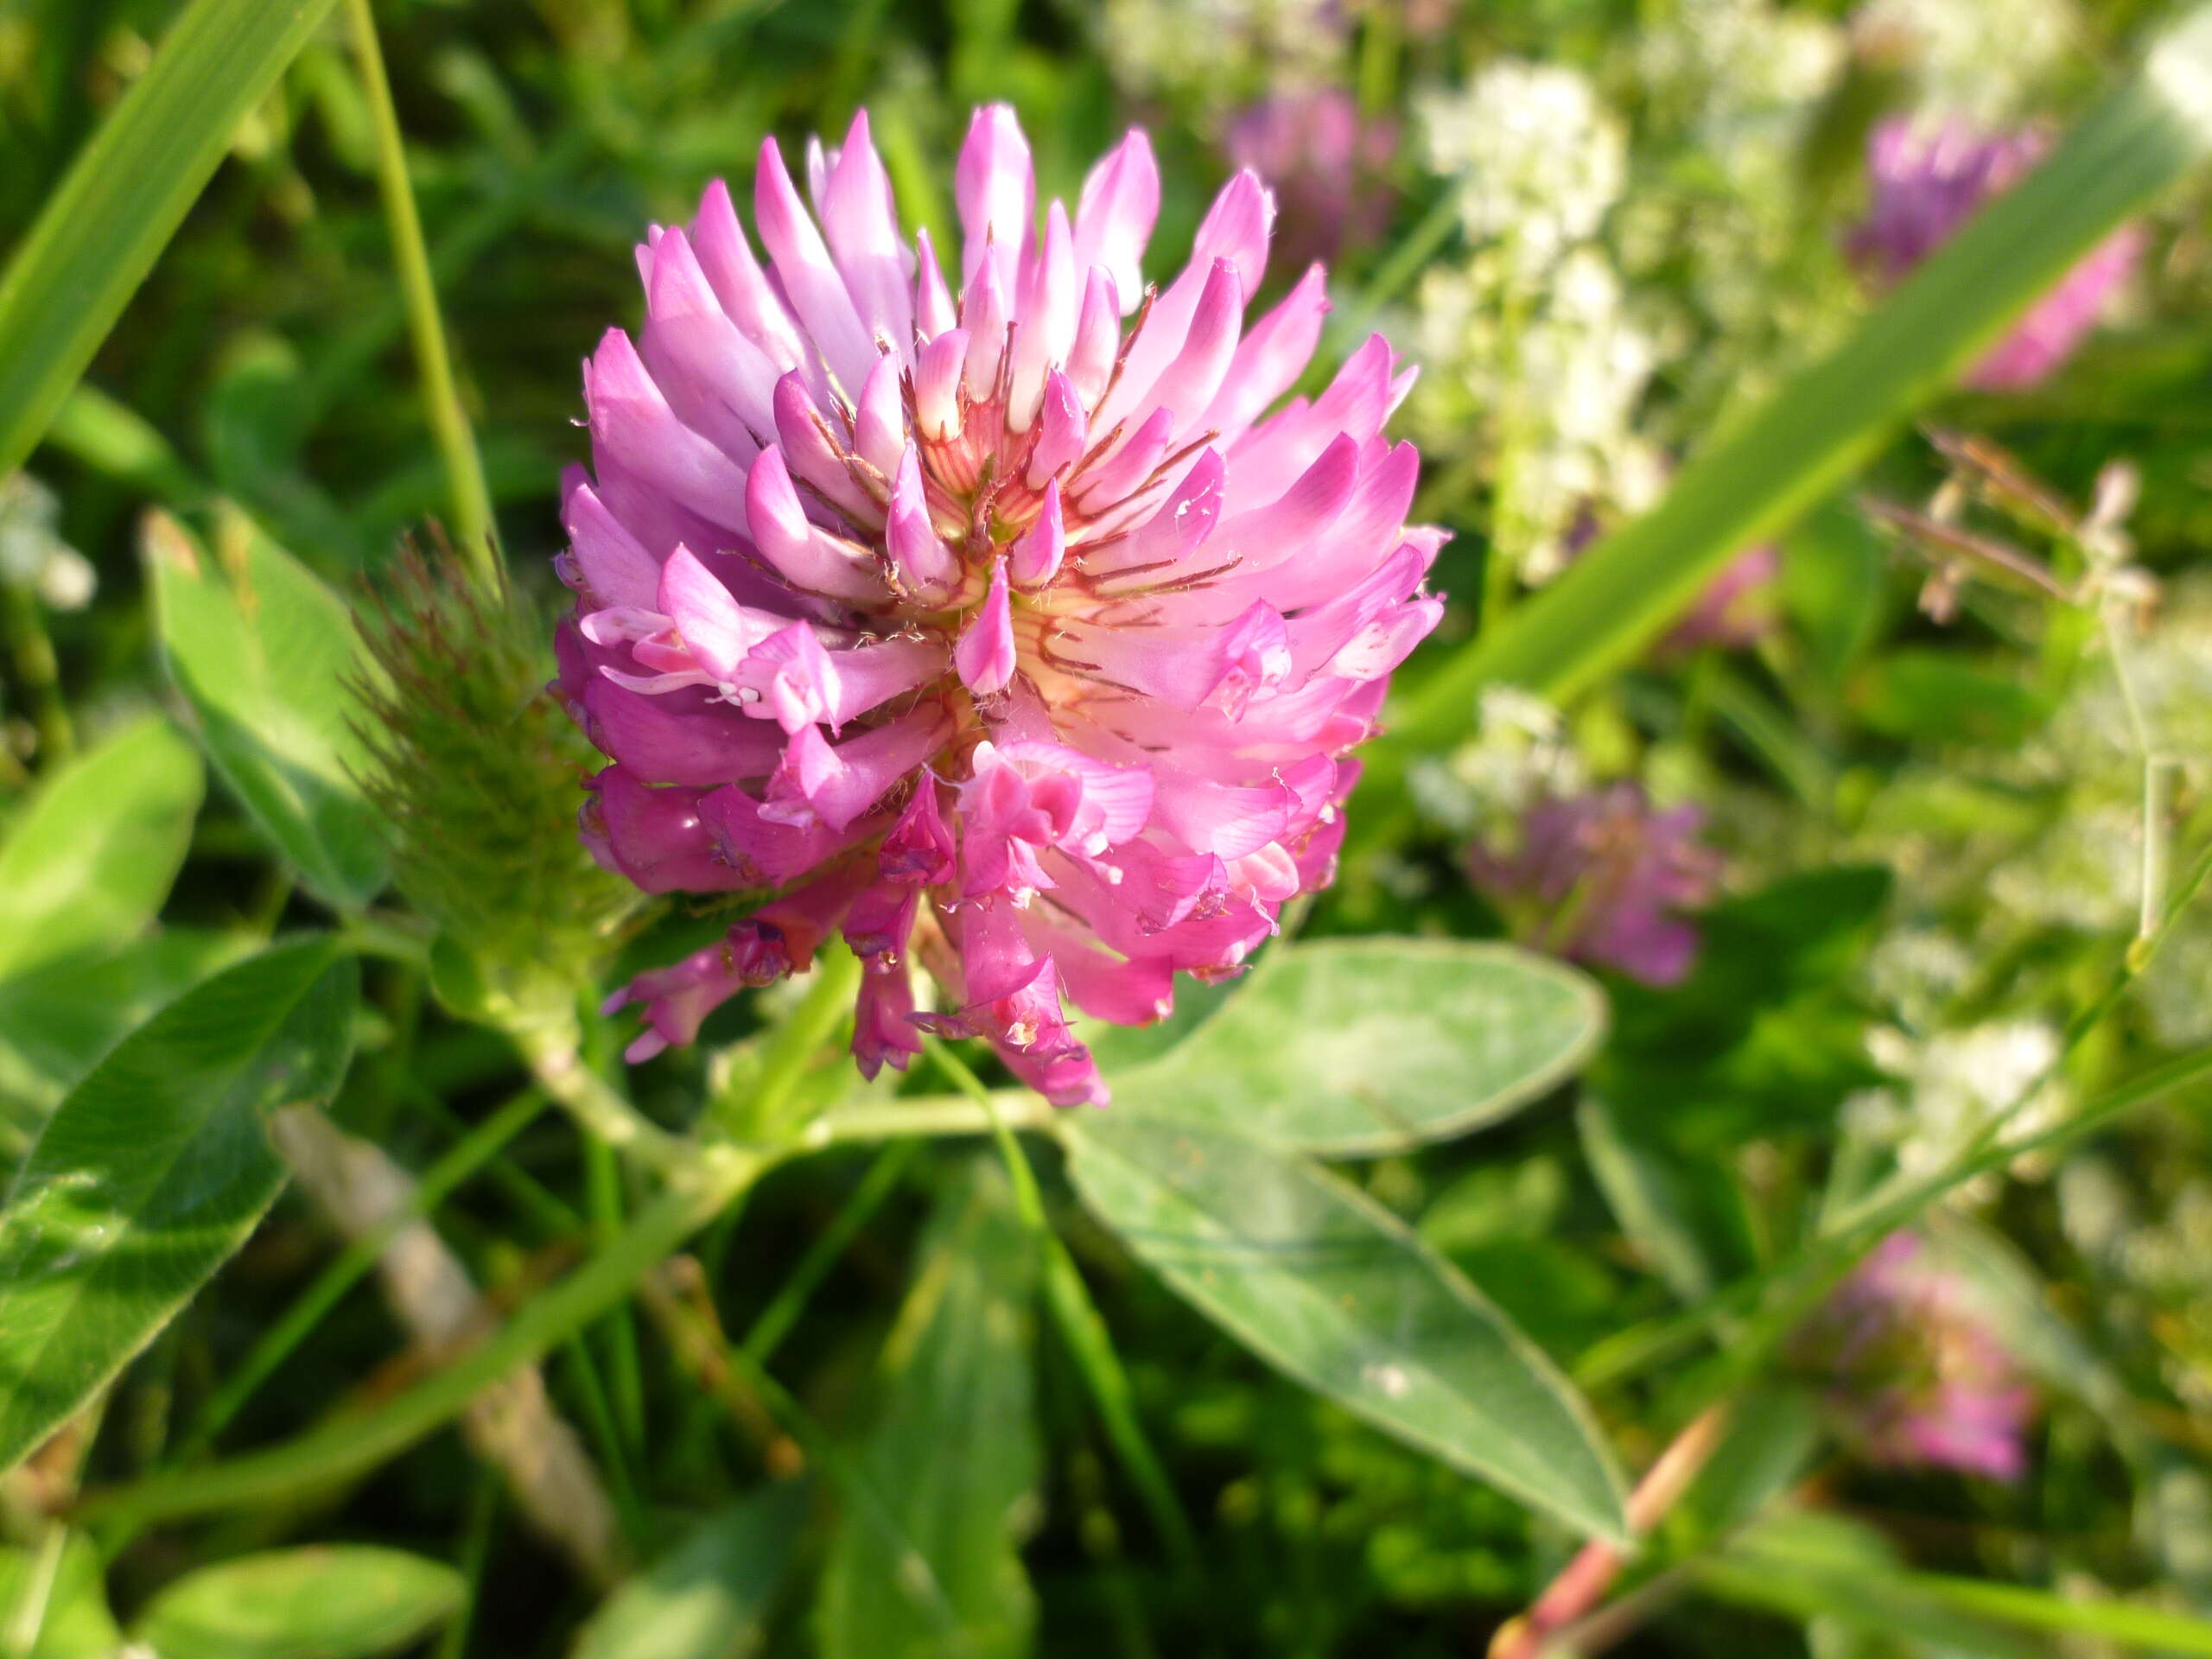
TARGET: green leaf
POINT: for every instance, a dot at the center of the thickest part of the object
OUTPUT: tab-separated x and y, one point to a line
1682	1208
1772	1434
87	865
1355	1047
263	655
153	1171
1789	455
349	1601
1825	1566
1331	1289
58	1020
707	1598
75	1622
100	233
1833	580
1921	695
925	1560
1810	1566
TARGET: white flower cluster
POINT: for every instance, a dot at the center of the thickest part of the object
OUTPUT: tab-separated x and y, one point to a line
33	555
1990	60
1746	78
2085	870
1533	338
1520	751
1730	91
1953	1085
1538	159
1221	50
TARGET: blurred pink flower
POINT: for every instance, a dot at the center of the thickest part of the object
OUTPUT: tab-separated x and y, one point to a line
1602	878
1736	608
1325	163
993	630
1927	182
1918	1380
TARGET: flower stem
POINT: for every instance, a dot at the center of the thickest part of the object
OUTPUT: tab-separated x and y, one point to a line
1582	1582
927	1114
588	1098
792	1048
471	499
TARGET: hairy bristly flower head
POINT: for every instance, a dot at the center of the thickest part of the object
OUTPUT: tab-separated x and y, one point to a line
999	615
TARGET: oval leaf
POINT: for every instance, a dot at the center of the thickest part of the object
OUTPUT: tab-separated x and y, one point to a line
152	1171
1353	1047
324	1602
1331	1289
58	1020
89	865
709	1598
263	655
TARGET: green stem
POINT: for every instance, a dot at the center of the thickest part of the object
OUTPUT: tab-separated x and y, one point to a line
559	1067
591	1394
471	498
475	1551
1083	1329
625	1376
927	1114
777	1319
793	1047
277	1343
714	1178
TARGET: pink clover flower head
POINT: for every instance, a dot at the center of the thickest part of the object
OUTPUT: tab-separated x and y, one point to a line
1918	1380
993	610
1927	181
1604	878
1325	163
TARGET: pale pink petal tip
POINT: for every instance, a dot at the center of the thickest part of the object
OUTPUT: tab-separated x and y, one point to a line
1017	632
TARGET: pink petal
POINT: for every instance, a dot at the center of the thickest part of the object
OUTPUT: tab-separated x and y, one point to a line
808	274
985	656
1034	558
996	190
1116	214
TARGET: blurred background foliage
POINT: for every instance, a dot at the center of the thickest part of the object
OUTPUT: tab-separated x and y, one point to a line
1607	229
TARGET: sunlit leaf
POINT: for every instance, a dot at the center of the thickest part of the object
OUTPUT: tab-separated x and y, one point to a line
88	864
350	1601
100	233
153	1171
1352	1048
57	1020
262	651
1326	1285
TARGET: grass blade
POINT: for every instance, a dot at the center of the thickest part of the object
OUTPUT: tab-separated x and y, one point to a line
100	233
1783	459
